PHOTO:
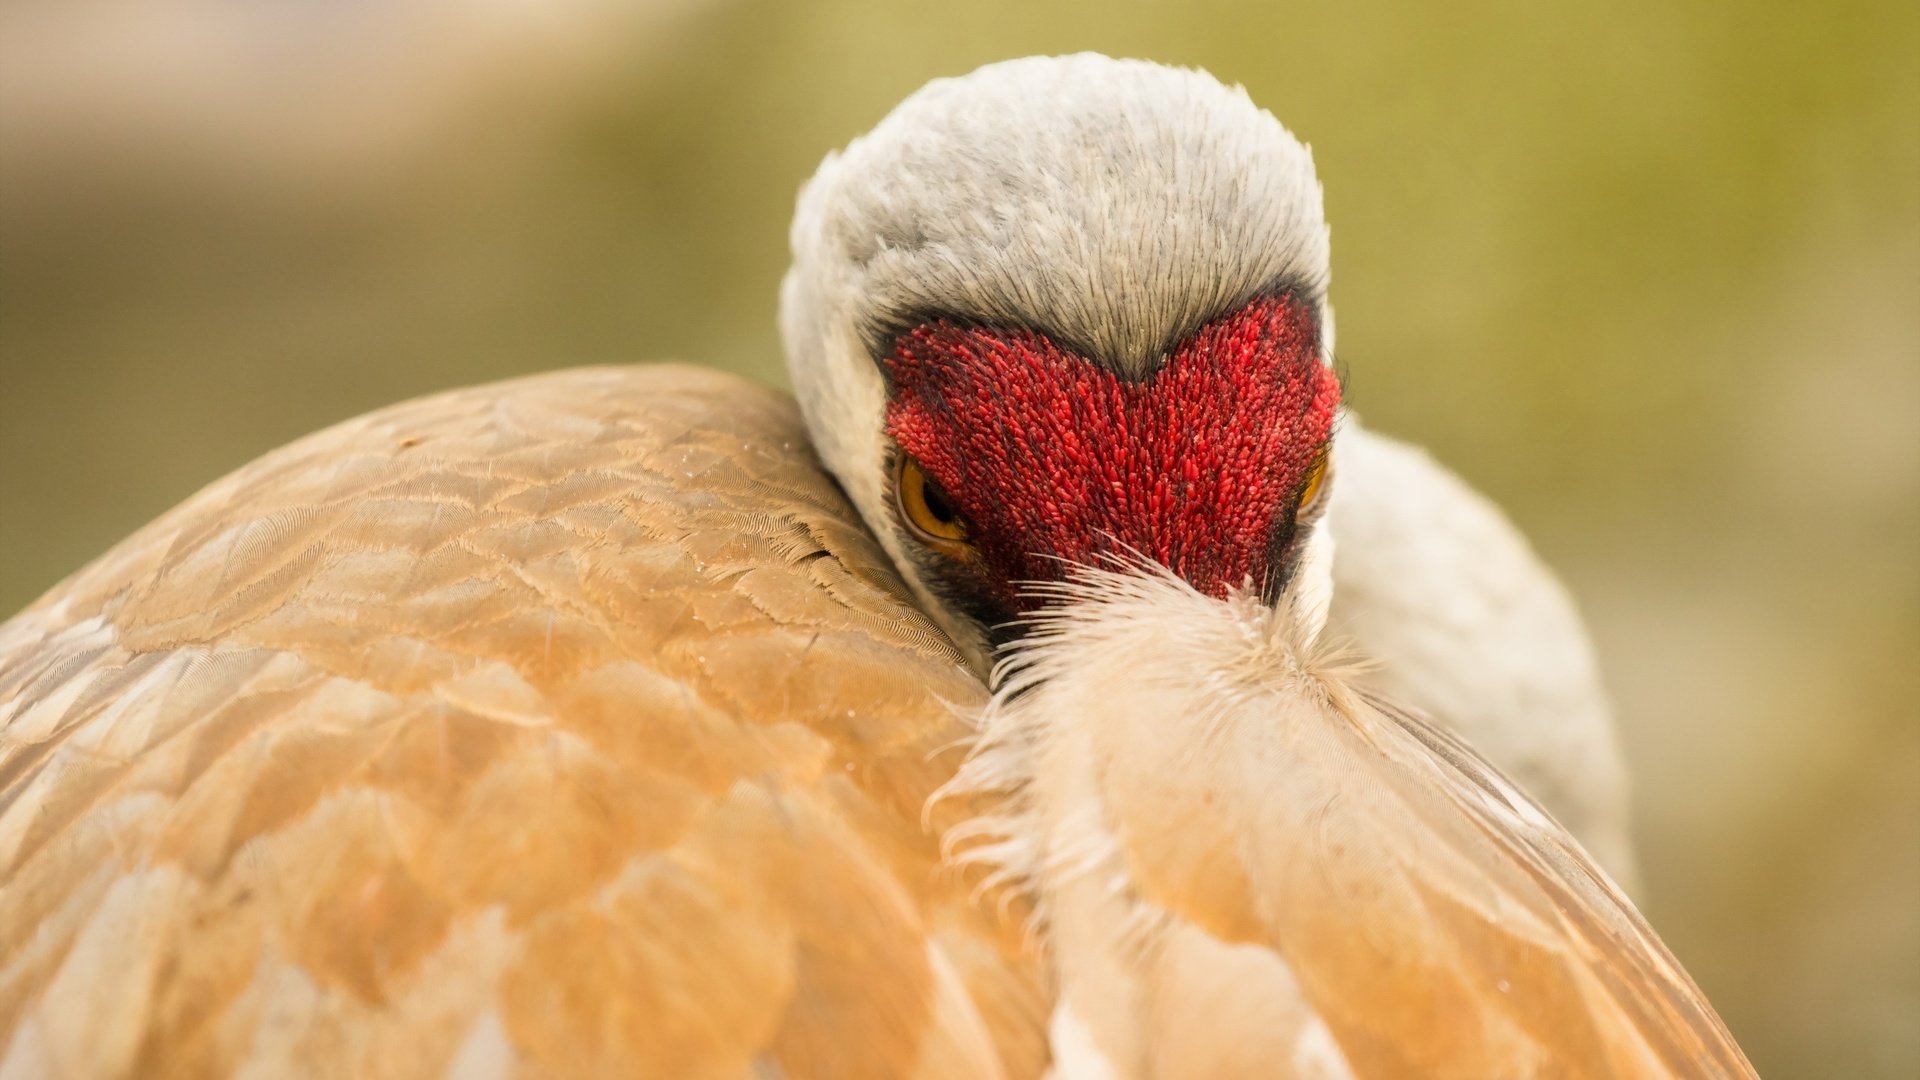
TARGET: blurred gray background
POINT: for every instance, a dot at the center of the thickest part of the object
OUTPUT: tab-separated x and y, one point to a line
1648	273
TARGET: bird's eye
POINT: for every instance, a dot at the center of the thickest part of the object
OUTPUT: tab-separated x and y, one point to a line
1314	485
929	510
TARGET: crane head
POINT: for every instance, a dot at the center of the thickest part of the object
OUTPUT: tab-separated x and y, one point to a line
1066	311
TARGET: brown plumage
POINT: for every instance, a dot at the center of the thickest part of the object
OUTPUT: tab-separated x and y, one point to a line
1281	873
485	721
482	730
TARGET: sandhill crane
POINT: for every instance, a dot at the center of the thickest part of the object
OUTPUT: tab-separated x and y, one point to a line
582	725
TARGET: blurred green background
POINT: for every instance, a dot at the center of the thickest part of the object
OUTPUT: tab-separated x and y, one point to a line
1648	273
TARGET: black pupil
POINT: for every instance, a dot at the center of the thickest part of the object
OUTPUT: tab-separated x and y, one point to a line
937	504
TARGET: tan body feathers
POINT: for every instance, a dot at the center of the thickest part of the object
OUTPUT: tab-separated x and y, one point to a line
569	725
484	728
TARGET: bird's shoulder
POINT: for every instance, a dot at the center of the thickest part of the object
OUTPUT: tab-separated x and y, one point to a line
1469	625
573	721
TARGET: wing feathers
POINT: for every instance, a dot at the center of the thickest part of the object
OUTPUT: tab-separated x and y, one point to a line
575	726
1239	795
570	725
